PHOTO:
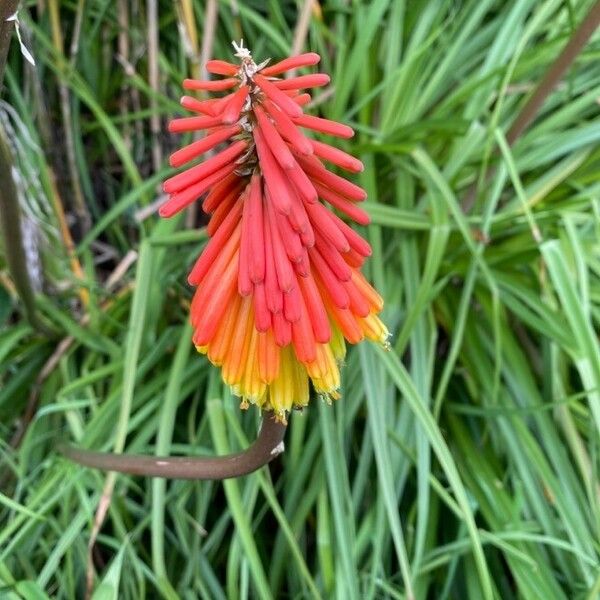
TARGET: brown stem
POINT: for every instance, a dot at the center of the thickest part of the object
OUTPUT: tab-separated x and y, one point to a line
555	72
267	446
557	69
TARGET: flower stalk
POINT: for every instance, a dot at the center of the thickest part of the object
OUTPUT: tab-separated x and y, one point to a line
268	445
279	289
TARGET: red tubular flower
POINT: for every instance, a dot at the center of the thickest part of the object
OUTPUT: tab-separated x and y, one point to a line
279	288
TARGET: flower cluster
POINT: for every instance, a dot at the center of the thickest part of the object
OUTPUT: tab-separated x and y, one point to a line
279	287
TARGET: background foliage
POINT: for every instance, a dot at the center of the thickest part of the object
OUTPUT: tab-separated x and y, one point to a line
461	464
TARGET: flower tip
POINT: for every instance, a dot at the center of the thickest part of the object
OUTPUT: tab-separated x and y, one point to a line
263	327
314	56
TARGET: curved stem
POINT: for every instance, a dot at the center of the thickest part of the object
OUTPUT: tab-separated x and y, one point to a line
267	446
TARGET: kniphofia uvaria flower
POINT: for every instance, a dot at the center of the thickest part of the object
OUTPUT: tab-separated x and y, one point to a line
279	286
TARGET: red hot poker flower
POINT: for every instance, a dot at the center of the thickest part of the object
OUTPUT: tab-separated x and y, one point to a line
279	289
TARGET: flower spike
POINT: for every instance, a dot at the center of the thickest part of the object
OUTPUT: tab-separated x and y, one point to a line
278	286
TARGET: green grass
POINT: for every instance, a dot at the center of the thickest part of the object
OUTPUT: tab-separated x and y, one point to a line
462	464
